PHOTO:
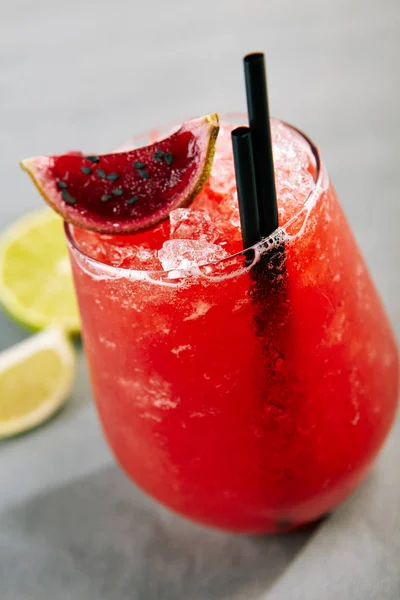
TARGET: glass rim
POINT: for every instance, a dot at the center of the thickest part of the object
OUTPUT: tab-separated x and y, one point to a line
277	236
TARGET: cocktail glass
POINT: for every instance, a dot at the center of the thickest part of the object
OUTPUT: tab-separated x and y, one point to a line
252	394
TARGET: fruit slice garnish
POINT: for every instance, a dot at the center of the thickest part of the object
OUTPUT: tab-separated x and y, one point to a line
126	191
35	380
36	285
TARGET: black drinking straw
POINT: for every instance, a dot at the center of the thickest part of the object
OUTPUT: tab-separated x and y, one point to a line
246	185
255	182
257	106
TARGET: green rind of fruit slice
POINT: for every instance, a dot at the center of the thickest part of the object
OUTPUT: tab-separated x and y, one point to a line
124	192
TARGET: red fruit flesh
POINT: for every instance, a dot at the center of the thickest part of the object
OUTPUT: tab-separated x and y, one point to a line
127	191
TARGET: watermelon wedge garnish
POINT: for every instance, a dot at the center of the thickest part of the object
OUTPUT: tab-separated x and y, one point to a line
127	191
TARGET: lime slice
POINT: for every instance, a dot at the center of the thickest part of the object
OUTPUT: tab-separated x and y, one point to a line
36	285
35	379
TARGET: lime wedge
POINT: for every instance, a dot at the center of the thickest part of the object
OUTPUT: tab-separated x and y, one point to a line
35	379
36	285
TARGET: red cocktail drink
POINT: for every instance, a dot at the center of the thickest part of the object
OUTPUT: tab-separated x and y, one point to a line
250	393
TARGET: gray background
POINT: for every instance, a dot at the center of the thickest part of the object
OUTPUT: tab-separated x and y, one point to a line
87	75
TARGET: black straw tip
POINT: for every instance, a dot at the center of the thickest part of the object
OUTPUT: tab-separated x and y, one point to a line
241	132
254	57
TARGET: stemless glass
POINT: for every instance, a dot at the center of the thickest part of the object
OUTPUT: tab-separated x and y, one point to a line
252	394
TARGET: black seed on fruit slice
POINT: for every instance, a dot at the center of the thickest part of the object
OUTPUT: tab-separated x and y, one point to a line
93	159
61	184
158	155
86	170
132	200
68	199
102	174
144	174
169	158
113	176
106	197
139	165
117	191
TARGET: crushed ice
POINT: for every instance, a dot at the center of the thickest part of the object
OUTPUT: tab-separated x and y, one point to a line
188	254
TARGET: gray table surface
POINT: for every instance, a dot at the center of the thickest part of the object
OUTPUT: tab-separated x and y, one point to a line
83	74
